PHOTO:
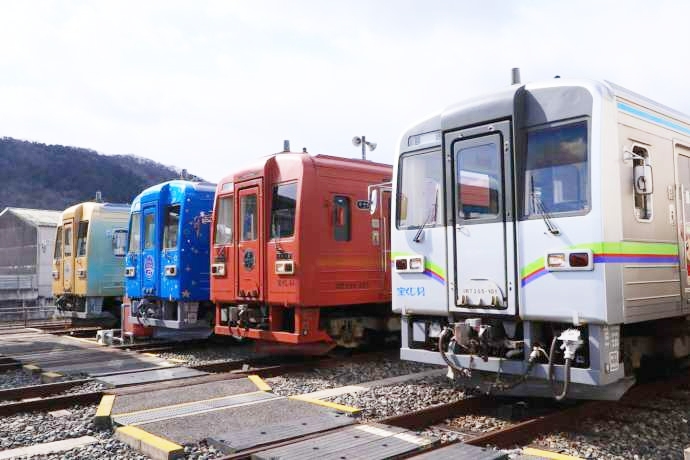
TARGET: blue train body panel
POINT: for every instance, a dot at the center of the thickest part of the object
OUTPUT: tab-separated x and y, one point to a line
167	262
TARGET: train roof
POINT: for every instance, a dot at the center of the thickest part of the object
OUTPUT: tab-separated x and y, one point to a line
36	217
496	104
88	208
179	186
303	158
626	94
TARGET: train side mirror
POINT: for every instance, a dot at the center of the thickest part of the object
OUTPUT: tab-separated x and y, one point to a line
642	177
373	200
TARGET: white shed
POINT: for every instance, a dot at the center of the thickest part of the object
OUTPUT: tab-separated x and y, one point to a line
27	242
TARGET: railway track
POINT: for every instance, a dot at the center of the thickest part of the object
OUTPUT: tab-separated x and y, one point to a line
43	397
527	430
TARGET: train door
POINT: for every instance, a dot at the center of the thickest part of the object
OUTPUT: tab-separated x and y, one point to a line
223	266
385	232
683	218
149	253
68	256
484	248
249	248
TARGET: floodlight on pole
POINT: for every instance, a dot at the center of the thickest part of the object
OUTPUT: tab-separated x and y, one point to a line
364	143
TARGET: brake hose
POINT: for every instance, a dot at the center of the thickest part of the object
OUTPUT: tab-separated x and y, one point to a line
566	377
463	370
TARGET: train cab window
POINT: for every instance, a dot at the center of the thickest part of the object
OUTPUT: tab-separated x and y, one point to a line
341	218
225	215
58	244
82	231
172	225
556	171
284	204
249	217
68	241
478	178
119	242
149	230
643	202
419	199
135	233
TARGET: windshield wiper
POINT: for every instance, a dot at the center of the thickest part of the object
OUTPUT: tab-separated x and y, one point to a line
539	207
432	216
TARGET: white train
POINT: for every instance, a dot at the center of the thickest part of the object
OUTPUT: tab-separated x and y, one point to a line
539	238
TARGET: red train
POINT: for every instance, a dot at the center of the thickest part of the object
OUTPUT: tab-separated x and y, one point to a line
297	257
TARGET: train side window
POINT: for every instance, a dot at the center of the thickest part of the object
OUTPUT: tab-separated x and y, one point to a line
643	203
68	241
341	218
172	225
58	244
135	233
82	231
249	217
119	242
283	207
224	220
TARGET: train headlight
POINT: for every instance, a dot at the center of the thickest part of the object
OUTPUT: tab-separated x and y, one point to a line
409	264
129	272
578	259
416	264
401	264
170	270
555	260
218	269
572	260
56	274
285	267
81	273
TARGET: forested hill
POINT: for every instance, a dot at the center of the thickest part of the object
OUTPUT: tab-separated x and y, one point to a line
40	176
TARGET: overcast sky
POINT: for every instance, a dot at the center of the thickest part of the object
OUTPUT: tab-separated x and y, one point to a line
210	85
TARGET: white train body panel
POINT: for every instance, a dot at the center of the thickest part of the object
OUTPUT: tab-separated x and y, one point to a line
524	209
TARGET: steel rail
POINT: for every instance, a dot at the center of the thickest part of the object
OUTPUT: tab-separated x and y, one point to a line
51	403
39	391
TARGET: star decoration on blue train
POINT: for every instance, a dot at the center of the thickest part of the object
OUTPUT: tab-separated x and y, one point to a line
186	294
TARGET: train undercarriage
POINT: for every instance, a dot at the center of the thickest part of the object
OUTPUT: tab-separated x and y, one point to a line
82	307
308	330
542	358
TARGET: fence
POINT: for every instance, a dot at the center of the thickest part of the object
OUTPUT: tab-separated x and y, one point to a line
26	315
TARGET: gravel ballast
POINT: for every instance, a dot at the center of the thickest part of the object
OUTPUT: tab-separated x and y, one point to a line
629	433
18	378
345	374
211	353
387	401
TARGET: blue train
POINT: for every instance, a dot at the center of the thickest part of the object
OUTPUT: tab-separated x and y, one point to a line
167	261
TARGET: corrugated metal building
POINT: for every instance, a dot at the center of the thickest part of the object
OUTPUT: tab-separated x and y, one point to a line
27	243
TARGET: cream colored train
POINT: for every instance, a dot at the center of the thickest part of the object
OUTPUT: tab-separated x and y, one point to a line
88	265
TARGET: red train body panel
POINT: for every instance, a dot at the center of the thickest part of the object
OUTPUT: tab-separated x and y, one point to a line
296	252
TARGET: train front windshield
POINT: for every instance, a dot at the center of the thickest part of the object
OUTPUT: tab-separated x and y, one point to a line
135	233
283	210
58	244
224	220
556	171
172	224
419	197
82	233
